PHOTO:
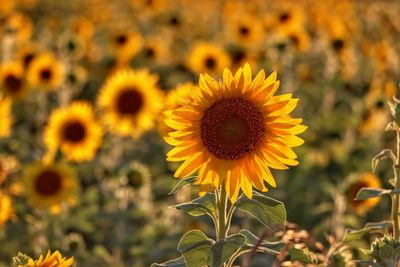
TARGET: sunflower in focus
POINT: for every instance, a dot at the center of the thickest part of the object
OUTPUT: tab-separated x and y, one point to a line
75	130
208	58
130	102
47	186
5	116
173	101
362	206
233	132
45	72
54	259
6	209
12	81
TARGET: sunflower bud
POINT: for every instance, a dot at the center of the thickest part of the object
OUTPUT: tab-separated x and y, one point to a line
385	251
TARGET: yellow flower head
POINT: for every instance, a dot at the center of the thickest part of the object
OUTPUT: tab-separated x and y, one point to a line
75	131
208	58
47	186
234	131
362	206
6	209
12	82
54	259
125	45
5	116
130	102
45	72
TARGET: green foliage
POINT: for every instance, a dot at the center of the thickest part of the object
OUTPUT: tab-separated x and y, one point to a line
200	206
179	262
181	183
366	193
222	250
303	256
196	248
385	251
270	212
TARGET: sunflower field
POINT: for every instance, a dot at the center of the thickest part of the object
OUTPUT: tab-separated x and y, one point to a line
176	133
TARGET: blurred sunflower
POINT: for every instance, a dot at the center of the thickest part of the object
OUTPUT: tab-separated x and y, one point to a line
362	206
174	98
126	45
155	51
234	131
45	72
208	58
20	26
54	259
6	209
47	186
5	116
75	130
27	53
130	102
12	82
245	30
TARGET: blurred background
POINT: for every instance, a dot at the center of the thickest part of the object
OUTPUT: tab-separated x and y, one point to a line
340	58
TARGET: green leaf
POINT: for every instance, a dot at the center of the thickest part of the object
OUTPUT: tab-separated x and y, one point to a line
270	212
181	183
351	235
388	255
224	249
196	248
366	193
20	259
302	255
200	206
179	262
383	225
253	243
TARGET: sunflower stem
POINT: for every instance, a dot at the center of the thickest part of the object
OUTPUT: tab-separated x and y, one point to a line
222	216
395	198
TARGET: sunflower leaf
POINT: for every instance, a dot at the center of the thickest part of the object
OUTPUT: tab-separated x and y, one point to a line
200	206
253	243
181	183
351	235
196	248
179	262
270	212
366	193
222	250
303	256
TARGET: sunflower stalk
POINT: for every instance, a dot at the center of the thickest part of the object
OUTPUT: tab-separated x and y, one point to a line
395	197
222	201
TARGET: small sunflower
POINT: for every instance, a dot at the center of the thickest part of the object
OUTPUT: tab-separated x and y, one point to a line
6	209
54	259
130	102
75	130
12	81
126	45
20	26
234	131
246	30
49	185
45	72
362	206
5	116
208	58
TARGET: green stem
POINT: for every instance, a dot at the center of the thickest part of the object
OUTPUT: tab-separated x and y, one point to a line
395	198
222	218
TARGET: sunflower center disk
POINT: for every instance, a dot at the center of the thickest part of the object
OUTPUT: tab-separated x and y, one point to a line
129	102
46	74
74	132
232	128
48	183
13	84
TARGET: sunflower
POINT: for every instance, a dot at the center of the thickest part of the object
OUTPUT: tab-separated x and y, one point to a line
209	58
174	97
126	45
5	116
75	130
362	206
49	185
20	26
246	30
45	72
54	259
130	101
6	209
233	132
12	81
